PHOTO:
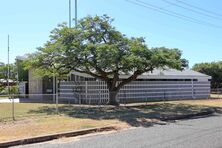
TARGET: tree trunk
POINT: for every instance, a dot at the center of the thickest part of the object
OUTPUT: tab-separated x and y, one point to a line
112	98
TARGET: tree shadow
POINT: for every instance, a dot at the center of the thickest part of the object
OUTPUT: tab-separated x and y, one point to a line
146	115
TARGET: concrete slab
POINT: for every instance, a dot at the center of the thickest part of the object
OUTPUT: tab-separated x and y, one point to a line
16	100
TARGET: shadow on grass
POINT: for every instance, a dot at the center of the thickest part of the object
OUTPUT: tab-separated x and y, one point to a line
134	116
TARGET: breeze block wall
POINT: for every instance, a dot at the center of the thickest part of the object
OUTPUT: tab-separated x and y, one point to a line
94	92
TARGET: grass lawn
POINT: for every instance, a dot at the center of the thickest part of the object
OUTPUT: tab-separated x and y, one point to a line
206	102
3	97
34	119
22	110
216	96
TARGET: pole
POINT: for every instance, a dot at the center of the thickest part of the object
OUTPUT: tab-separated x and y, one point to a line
9	95
192	89
8	69
57	97
17	84
75	13
70	14
54	88
17	64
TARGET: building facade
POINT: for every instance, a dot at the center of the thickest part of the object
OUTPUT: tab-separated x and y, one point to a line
159	85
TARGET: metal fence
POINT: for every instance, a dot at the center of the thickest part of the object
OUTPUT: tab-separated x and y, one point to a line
41	101
17	105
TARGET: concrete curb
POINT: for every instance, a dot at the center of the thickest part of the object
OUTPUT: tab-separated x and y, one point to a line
188	116
55	136
218	110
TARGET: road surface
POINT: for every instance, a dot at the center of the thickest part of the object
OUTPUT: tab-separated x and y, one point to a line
194	133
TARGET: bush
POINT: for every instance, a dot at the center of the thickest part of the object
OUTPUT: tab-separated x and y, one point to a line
12	90
1	89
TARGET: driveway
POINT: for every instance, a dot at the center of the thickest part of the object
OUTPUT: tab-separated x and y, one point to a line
194	133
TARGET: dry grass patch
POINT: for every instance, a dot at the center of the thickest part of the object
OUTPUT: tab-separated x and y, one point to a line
33	119
216	96
3	97
47	125
22	110
206	102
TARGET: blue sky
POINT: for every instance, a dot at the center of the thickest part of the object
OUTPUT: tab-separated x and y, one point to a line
29	23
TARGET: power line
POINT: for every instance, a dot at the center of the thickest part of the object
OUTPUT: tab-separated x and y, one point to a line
198	8
172	13
181	15
192	10
158	10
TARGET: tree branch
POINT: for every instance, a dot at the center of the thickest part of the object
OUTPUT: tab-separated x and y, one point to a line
90	73
132	77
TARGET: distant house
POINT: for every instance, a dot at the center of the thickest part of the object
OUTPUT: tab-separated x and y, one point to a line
168	84
40	87
4	82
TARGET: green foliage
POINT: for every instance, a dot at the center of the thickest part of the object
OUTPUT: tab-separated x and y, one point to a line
12	90
96	48
4	71
22	72
213	69
2	88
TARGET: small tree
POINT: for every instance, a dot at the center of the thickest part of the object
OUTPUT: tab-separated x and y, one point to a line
96	48
4	71
21	71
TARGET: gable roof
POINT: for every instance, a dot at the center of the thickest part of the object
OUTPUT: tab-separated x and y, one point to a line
162	74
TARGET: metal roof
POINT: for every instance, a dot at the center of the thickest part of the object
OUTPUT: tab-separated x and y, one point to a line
163	74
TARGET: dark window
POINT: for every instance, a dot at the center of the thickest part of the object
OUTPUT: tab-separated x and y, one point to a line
82	78
90	79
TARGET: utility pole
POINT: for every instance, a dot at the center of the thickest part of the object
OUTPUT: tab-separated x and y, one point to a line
76	13
70	14
8	73
9	94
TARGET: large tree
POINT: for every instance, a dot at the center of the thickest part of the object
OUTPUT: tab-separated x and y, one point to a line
213	69
98	49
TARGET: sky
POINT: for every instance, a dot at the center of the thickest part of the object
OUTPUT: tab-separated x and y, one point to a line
198	35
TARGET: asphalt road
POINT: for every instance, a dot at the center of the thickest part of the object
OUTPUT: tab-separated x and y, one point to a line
194	133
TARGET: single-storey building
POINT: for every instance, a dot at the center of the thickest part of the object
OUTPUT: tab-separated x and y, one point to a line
167	84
